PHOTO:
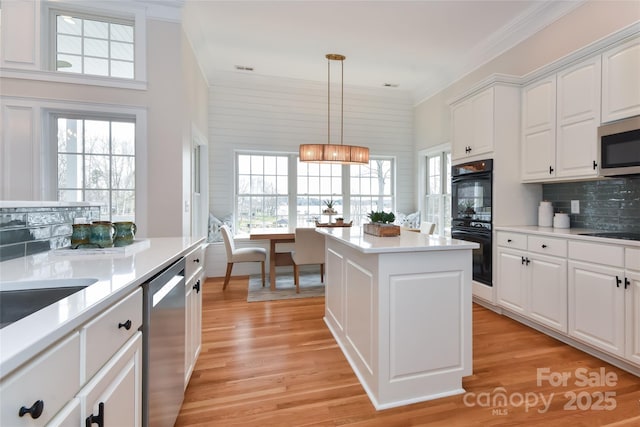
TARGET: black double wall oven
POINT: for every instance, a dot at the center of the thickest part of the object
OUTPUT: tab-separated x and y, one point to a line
471	200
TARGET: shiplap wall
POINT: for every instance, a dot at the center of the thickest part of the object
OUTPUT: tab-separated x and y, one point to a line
257	113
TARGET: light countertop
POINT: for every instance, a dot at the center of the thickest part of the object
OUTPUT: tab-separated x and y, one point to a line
407	241
572	233
115	275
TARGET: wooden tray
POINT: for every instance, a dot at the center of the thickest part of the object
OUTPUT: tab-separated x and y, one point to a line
381	230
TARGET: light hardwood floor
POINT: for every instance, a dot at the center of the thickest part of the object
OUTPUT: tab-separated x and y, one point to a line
276	364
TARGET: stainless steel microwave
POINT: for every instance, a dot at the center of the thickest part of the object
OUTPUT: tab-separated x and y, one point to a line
619	147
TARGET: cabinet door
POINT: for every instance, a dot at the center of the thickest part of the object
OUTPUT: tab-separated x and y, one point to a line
632	300
539	129
115	391
193	325
547	302
578	118
596	306
68	416
482	123
512	280
620	82
462	133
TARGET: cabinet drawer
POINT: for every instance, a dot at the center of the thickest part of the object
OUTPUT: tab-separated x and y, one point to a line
547	245
632	259
194	262
512	240
53	378
597	253
104	335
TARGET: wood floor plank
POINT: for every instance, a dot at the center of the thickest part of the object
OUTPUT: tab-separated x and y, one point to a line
276	364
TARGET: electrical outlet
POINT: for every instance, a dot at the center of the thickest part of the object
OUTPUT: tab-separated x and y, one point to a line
575	206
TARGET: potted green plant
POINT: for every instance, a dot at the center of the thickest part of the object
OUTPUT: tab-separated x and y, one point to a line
329	207
381	224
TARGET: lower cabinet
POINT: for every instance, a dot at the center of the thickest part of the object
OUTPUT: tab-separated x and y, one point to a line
112	398
193	330
632	310
596	306
533	285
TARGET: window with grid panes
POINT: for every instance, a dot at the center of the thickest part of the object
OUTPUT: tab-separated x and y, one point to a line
438	196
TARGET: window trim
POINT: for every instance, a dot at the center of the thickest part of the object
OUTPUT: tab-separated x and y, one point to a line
423	167
130	14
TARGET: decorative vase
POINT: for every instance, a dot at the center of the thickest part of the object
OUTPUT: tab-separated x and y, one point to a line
125	232
81	235
102	233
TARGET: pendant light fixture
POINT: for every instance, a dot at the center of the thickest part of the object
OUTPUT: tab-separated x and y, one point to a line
334	153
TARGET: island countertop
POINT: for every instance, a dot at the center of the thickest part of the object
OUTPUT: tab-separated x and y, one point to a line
114	277
407	241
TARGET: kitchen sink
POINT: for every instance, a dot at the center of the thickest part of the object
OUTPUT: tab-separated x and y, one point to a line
20	299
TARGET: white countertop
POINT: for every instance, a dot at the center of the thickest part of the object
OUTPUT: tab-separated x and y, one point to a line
116	275
407	241
573	233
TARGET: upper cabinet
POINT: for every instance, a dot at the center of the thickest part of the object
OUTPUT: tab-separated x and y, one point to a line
621	81
472	121
560	118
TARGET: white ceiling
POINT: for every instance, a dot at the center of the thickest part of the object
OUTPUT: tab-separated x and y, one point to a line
422	46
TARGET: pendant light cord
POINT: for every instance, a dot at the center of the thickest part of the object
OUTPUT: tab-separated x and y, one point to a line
342	102
328	101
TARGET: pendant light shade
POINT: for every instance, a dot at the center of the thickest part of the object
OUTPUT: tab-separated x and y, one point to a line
334	153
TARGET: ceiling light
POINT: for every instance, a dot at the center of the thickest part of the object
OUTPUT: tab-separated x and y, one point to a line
243	68
390	84
334	153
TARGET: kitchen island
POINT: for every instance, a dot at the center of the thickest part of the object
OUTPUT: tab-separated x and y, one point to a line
400	309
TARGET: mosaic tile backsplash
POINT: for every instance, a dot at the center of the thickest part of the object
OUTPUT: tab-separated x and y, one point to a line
29	230
608	204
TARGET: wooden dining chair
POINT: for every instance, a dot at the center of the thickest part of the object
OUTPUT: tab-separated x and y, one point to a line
308	249
240	254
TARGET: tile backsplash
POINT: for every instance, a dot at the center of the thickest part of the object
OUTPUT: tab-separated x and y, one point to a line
31	229
607	204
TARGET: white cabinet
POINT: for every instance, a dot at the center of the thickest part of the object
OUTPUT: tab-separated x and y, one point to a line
113	397
620	82
473	125
194	274
43	387
538	129
632	304
533	283
597	295
560	117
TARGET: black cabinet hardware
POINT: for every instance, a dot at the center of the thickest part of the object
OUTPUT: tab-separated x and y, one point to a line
522	260
126	325
467	149
618	281
96	419
544	246
551	170
197	260
509	240
595	165
627	283
35	411
197	286
528	261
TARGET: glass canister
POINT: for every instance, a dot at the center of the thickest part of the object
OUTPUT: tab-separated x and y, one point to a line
102	233
81	235
125	232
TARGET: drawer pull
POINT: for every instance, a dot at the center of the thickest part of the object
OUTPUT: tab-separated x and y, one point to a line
618	281
126	325
35	411
509	240
544	246
197	286
96	419
197	260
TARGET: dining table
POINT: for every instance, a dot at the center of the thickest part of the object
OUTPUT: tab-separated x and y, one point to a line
275	236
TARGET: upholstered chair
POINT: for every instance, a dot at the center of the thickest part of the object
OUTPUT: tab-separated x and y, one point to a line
308	249
240	254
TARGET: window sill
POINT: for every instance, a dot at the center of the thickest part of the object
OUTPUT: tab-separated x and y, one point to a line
80	79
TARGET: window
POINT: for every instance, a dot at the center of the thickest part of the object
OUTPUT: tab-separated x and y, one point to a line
95	46
371	189
278	190
96	163
438	195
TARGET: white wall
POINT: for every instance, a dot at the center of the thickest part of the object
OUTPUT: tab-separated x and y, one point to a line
584	25
172	93
258	113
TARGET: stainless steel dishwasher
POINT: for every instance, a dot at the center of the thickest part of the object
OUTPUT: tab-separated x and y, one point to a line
163	340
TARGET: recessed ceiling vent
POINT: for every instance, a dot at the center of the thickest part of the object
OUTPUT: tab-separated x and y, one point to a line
390	84
243	68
